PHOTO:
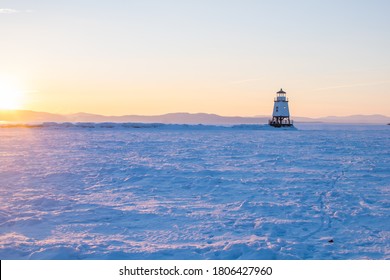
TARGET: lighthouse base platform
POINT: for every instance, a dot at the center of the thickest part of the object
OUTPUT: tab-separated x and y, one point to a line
280	124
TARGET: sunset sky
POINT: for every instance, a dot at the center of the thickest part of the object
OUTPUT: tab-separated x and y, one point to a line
226	57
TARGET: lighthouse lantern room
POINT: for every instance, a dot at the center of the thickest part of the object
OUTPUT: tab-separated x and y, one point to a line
281	113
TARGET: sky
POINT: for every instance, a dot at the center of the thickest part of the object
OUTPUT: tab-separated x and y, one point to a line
152	57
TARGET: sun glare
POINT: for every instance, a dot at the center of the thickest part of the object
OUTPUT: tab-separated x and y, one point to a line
10	96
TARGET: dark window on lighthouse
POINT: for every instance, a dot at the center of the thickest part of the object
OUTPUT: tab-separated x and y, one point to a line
277	108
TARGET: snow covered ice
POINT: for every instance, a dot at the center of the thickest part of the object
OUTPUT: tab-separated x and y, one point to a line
110	191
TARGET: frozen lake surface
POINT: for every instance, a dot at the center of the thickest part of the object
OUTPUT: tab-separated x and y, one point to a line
193	192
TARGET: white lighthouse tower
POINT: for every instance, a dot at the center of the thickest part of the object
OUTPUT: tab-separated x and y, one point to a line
281	114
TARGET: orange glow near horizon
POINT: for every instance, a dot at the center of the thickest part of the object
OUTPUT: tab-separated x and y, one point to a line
228	101
11	96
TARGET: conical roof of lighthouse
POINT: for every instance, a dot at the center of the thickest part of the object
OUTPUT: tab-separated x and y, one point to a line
281	91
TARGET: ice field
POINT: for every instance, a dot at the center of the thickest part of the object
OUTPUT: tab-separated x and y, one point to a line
122	191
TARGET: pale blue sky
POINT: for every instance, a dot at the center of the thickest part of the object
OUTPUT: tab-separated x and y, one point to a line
225	57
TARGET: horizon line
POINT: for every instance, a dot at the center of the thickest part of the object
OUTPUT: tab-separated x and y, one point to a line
198	113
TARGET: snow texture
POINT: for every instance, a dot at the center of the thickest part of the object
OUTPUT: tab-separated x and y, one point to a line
134	191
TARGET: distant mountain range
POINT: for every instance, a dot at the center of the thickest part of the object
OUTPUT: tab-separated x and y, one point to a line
25	116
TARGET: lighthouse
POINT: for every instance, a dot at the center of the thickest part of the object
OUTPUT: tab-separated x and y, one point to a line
281	113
